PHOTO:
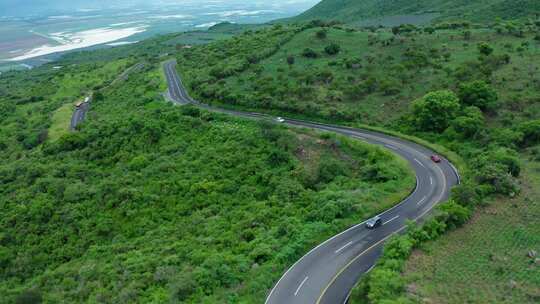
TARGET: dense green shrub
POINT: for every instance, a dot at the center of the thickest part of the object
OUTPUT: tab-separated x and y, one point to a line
321	34
485	49
332	49
453	214
310	53
290	59
470	123
497	170
435	111
478	94
384	284
531	132
466	194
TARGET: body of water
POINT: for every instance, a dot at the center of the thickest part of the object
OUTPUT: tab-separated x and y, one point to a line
24	38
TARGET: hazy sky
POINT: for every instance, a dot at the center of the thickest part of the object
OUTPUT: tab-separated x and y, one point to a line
30	7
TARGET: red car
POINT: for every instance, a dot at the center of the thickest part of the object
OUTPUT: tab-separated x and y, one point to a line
435	158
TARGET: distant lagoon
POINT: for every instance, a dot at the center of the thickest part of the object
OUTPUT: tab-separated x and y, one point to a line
24	38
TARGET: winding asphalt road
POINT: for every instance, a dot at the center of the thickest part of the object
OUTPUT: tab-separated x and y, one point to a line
79	114
328	272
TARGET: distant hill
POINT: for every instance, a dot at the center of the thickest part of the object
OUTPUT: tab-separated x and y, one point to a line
233	28
418	11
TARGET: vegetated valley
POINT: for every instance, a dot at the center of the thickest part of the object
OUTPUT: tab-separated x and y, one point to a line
147	202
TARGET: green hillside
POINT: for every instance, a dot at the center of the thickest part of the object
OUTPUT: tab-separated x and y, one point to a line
152	203
419	11
472	90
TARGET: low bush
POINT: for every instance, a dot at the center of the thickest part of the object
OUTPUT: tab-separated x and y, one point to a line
310	53
332	49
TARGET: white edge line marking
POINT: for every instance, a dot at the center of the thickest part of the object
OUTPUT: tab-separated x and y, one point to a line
456	172
356	258
422	200
347	298
300	286
370	268
344	246
395	217
419	162
384	239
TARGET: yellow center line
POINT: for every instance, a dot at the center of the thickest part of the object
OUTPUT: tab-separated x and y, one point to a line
384	239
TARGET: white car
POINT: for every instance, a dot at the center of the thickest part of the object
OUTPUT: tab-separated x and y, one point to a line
280	119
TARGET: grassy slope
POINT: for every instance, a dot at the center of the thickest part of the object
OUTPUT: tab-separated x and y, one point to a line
299	90
485	261
152	205
353	11
60	122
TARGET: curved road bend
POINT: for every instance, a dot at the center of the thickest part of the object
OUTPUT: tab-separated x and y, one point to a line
328	272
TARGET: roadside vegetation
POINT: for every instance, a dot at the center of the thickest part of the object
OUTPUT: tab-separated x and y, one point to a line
493	259
152	203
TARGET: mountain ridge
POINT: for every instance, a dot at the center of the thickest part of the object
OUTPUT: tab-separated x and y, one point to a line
352	11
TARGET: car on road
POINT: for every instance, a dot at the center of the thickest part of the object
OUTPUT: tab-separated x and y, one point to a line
280	119
79	104
436	158
374	222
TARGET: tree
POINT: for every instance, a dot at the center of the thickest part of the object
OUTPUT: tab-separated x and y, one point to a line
470	123
485	49
478	94
435	110
332	49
